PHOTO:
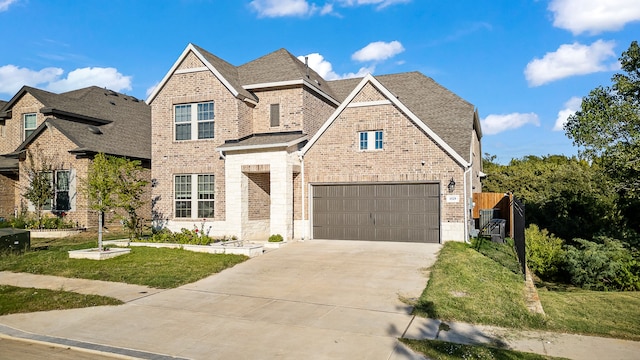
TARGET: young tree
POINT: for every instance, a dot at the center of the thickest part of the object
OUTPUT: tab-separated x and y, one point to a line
115	183
101	187
40	189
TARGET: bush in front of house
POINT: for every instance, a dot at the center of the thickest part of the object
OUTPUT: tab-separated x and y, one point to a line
29	221
544	252
604	265
276	238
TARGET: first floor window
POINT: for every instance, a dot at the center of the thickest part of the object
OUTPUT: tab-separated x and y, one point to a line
30	124
194	196
59	181
371	140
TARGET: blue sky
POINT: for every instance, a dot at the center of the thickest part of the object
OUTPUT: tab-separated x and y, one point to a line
523	64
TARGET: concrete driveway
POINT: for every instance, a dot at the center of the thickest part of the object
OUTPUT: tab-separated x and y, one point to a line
309	300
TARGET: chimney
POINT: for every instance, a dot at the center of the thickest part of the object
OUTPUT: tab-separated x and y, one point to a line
306	64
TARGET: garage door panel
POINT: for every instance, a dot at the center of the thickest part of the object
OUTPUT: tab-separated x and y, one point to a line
383	212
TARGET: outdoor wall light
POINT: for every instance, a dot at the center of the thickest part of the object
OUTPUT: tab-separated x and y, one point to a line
452	185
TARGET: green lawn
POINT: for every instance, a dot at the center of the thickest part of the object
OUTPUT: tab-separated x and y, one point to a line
442	350
468	286
21	300
158	268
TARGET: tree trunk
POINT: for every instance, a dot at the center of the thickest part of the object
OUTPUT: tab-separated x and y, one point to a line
100	216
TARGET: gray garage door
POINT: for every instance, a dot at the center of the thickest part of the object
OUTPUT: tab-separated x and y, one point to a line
379	212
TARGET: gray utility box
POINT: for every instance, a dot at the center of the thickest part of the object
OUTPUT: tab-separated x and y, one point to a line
497	230
14	240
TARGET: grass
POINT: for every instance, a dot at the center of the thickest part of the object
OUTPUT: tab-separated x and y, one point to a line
611	314
442	350
22	300
468	286
158	268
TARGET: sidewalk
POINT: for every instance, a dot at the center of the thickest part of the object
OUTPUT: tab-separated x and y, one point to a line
570	346
547	343
120	291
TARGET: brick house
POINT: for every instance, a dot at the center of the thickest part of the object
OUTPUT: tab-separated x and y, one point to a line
67	130
270	147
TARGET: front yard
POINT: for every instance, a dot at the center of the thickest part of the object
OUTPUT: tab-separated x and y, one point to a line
467	286
158	268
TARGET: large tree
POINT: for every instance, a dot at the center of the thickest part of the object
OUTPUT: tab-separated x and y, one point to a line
607	126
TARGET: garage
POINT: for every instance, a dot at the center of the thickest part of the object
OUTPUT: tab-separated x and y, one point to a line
405	212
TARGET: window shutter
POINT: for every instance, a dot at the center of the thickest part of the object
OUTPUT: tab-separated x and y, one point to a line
275	115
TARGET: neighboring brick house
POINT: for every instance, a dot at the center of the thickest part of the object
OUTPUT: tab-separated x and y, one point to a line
270	147
67	130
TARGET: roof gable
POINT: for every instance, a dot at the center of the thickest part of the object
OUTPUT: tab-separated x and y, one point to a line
398	102
226	73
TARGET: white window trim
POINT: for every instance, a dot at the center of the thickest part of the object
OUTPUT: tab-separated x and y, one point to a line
194	196
193	121
371	140
24	125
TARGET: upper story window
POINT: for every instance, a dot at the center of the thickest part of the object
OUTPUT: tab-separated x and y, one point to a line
30	124
194	121
274	115
371	140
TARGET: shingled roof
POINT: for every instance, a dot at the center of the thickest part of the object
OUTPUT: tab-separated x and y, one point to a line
96	120
447	114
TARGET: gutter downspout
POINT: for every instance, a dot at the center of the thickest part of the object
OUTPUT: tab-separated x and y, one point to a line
222	154
466	205
304	232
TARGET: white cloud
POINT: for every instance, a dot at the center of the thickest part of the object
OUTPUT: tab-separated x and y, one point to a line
594	16
325	69
378	50
92	76
494	124
12	78
301	8
570	108
381	4
152	88
4	4
280	8
569	60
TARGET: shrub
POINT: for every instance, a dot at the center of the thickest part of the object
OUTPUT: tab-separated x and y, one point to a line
276	238
544	252
603	266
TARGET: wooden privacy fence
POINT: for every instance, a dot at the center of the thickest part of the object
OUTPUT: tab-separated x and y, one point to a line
499	202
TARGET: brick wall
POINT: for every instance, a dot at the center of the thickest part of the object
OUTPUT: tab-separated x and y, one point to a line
259	196
171	157
13	132
316	111
8	183
53	146
336	157
291	116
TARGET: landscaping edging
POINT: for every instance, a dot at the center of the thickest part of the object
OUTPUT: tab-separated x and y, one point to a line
52	233
250	250
94	254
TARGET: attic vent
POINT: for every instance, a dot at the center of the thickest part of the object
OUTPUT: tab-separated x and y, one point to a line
112	103
94	129
112	93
